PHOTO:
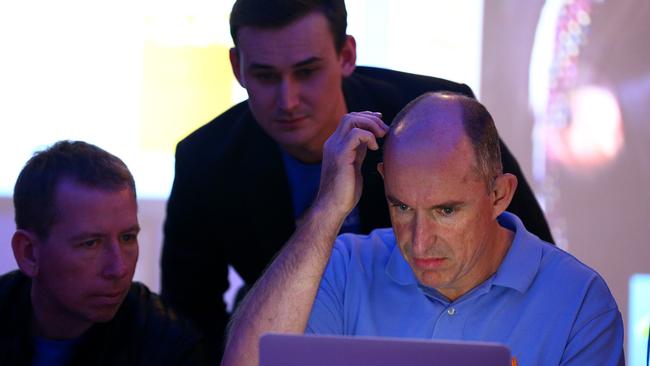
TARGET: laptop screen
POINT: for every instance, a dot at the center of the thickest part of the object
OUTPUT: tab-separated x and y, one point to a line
320	350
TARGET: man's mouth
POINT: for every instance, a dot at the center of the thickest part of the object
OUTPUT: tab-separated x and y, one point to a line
110	298
290	120
429	263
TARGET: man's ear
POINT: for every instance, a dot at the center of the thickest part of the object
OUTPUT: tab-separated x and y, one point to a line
502	192
380	169
348	56
24	244
235	64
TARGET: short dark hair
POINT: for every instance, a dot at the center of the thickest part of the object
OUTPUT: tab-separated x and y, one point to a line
279	13
478	126
482	132
78	161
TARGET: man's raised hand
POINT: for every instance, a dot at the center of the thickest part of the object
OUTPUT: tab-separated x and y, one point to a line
343	154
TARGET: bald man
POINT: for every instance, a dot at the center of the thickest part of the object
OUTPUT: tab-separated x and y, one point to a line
455	264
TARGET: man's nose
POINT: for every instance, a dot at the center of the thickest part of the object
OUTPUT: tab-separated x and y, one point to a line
424	234
288	94
116	260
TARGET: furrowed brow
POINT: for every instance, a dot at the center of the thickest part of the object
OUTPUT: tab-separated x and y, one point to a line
394	200
307	62
448	204
85	235
255	66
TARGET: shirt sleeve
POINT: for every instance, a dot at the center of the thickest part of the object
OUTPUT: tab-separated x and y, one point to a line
327	313
597	338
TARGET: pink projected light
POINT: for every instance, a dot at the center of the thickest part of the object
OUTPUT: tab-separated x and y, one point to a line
578	125
594	134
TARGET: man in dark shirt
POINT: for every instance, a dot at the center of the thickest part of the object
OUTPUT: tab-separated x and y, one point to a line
244	179
72	302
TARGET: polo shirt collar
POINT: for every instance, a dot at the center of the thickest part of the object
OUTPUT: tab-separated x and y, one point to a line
397	268
522	262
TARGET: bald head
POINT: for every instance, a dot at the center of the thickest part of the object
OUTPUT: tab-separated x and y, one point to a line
439	125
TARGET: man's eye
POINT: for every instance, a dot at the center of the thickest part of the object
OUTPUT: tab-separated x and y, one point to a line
265	76
129	238
401	207
447	211
304	73
91	243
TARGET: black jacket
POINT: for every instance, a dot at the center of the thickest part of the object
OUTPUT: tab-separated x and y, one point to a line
231	204
143	331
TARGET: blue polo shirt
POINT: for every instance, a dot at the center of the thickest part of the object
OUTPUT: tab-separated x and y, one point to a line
543	303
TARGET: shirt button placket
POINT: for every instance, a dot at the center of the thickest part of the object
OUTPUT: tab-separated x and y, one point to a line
451	310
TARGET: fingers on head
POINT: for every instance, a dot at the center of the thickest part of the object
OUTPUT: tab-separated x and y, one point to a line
360	136
370	121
